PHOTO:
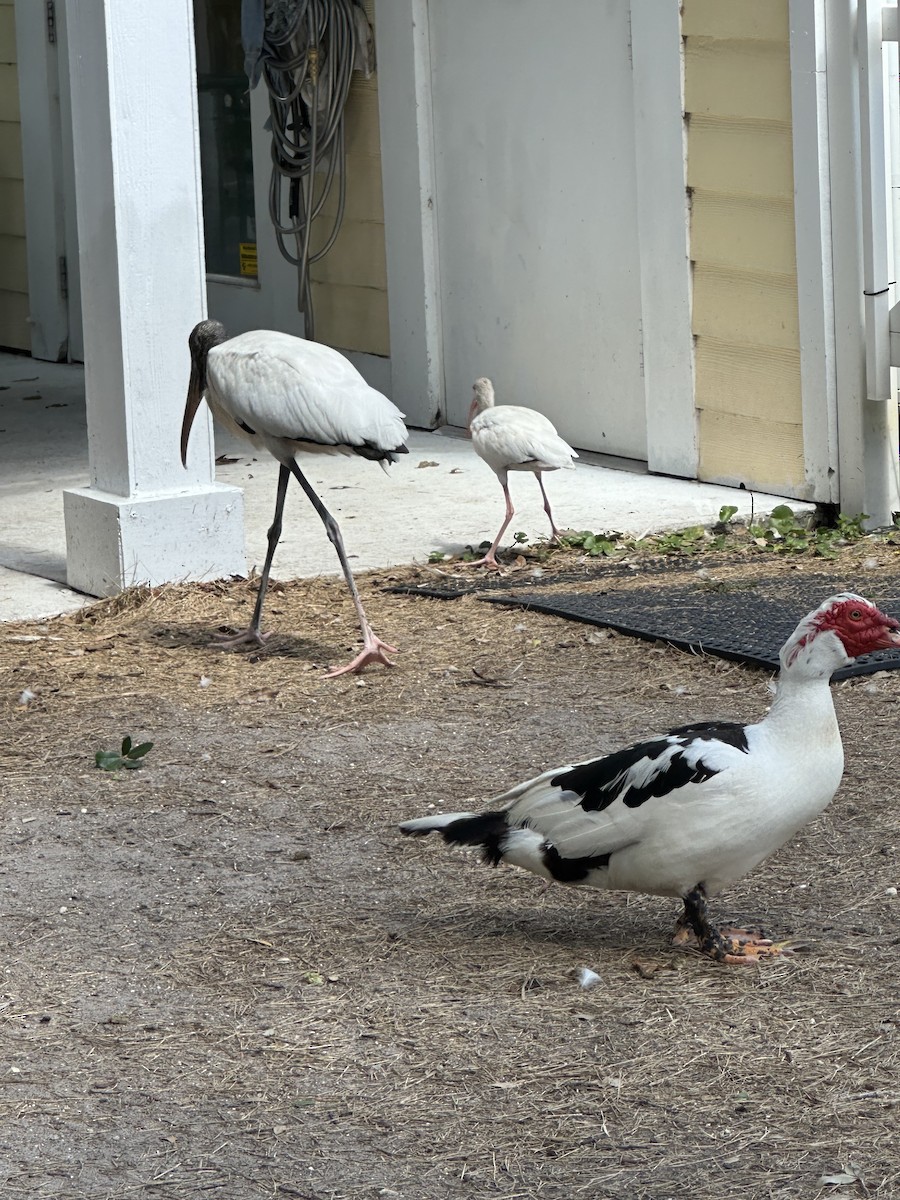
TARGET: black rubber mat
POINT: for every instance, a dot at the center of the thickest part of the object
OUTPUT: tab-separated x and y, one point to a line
747	624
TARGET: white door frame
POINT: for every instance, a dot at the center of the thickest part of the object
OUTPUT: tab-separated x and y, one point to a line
407	147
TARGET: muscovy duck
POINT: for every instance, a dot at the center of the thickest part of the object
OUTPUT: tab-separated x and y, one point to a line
690	812
511	438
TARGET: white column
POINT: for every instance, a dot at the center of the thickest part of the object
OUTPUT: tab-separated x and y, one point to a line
144	519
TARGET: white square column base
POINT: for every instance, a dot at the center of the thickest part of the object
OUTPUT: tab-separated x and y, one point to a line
113	543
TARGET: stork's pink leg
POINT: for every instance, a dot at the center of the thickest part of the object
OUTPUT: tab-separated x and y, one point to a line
374	650
490	559
554	532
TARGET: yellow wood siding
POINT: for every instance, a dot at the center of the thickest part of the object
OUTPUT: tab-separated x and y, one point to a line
761	307
752	20
7	28
742	79
14	328
732	441
745	232
732	158
740	172
350	282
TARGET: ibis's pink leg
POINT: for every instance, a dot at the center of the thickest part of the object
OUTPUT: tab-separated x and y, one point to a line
490	559
374	650
554	532
252	636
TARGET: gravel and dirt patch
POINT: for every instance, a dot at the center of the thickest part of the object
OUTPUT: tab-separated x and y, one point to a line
226	975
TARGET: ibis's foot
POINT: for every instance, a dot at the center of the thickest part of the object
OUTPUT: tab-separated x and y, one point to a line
488	561
247	637
374	651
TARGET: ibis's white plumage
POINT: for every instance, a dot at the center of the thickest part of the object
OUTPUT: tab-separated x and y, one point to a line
285	394
512	438
687	813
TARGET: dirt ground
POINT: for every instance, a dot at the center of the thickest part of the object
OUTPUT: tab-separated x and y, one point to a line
226	975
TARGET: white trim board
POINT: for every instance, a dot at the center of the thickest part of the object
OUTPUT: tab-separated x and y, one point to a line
410	231
813	231
668	345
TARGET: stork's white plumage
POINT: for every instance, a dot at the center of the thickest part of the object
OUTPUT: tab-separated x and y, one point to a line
689	812
511	438
285	394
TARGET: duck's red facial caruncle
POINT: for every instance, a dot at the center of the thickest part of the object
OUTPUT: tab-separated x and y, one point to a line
860	625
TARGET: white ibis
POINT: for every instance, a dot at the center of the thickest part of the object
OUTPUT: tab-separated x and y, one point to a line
284	394
510	438
687	813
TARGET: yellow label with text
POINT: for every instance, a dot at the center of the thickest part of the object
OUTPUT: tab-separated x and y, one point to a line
248	258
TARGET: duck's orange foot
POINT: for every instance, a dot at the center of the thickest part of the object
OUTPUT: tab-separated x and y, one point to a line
742	946
729	944
735	946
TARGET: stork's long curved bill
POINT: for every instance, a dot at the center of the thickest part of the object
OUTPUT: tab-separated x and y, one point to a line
194	396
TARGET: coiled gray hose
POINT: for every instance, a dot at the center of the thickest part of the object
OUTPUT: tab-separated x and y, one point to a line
306	51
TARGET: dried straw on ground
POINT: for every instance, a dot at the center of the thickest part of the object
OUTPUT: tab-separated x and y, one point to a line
226	975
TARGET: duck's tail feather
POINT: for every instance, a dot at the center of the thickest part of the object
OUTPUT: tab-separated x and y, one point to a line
489	831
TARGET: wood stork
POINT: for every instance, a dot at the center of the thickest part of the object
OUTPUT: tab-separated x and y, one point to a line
284	394
510	438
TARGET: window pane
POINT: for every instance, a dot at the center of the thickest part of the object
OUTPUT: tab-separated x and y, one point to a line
225	146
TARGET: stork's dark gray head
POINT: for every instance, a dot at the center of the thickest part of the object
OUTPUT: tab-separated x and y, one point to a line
203	337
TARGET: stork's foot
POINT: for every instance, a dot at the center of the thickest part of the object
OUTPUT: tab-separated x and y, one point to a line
727	944
374	651
247	637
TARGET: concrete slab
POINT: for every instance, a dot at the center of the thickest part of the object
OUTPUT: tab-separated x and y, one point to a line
439	497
